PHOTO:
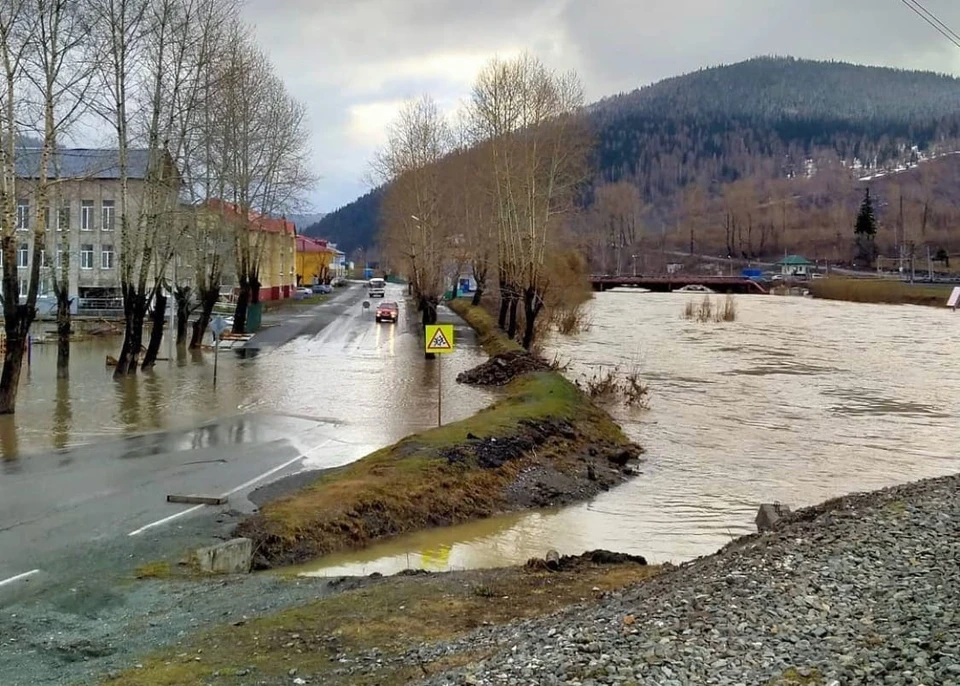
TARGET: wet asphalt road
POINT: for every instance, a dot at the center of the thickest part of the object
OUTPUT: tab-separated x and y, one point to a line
110	498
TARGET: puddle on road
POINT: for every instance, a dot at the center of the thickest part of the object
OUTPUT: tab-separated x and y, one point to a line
368	383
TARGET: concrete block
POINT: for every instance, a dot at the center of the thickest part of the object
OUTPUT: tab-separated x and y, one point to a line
769	514
231	557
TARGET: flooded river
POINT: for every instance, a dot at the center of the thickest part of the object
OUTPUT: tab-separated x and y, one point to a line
797	401
366	384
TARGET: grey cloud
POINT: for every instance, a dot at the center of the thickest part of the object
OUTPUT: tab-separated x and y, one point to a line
338	54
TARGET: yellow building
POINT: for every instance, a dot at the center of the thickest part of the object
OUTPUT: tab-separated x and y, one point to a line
314	258
275	242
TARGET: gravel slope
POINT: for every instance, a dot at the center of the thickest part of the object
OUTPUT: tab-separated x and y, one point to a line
860	590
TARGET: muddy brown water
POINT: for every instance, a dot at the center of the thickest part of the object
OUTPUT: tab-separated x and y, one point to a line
797	401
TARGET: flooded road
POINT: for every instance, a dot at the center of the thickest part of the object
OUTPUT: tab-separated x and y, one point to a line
367	383
797	401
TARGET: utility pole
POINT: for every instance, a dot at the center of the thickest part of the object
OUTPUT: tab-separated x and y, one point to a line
929	265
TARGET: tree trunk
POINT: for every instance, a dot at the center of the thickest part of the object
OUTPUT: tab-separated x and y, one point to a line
156	332
182	296
134	312
428	315
512	326
208	298
477	296
240	312
63	334
531	308
504	306
12	363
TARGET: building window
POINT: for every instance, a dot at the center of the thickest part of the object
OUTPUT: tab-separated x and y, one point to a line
23	215
106	257
43	258
63	218
23	255
61	251
23	288
46	217
86	256
86	215
107	214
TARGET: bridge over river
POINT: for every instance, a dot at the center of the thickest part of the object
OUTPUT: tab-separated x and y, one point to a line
672	282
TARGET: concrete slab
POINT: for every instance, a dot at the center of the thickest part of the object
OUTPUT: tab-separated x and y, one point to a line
231	557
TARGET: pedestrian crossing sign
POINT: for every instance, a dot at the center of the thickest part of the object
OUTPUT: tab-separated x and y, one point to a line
439	338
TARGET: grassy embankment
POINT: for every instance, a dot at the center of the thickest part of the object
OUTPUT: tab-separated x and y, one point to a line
880	291
542	427
393	615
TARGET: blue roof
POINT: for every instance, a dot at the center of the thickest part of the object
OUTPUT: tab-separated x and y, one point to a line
82	163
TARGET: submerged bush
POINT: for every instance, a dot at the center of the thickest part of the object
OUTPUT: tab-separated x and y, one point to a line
706	312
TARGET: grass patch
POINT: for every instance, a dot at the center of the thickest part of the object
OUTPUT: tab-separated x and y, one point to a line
153	570
454	473
493	341
880	291
440	477
394	616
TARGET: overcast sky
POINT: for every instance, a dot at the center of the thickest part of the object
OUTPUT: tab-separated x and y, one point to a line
353	62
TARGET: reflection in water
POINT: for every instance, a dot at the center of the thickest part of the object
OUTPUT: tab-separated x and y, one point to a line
9	443
62	415
368	382
797	401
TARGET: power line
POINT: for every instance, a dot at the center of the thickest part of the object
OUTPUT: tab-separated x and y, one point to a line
936	19
933	20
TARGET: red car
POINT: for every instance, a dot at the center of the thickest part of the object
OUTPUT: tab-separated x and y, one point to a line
387	312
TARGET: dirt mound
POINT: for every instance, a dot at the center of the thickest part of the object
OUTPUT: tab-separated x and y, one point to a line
493	452
502	369
569	563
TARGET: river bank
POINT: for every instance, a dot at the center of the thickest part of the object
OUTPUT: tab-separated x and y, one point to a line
856	590
544	443
882	291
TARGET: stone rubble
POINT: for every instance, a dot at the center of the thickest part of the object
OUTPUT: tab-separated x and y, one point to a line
864	589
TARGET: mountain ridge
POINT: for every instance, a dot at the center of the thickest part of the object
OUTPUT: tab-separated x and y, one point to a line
767	117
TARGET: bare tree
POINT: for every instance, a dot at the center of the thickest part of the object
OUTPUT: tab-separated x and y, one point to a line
17	33
414	214
262	147
60	72
538	144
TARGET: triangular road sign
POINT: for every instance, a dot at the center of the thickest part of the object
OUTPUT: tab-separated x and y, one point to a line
439	338
439	341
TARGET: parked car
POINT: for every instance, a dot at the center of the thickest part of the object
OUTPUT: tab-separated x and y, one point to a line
338	282
387	312
322	288
302	292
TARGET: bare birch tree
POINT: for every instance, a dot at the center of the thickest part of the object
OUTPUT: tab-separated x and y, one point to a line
262	148
17	30
415	215
60	72
538	145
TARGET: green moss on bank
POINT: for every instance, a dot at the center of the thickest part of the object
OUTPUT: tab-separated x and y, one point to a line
880	291
494	342
543	426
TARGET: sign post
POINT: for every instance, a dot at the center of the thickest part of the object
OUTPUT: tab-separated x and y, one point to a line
439	340
217	326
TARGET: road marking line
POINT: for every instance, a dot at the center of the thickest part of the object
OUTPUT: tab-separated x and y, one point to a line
165	520
242	486
18	577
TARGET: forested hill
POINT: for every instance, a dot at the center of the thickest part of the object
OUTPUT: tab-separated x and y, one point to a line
764	118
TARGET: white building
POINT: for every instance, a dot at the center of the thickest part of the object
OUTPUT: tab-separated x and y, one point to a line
82	219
